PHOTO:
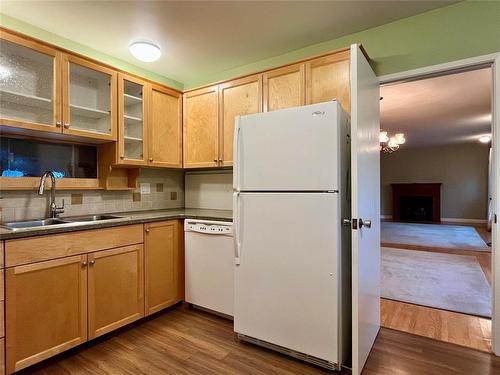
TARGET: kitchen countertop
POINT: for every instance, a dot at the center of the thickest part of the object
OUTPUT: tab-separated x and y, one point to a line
135	217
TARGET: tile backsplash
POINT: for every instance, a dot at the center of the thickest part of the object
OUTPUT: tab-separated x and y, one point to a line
164	185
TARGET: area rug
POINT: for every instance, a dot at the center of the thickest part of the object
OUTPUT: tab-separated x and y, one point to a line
444	281
433	235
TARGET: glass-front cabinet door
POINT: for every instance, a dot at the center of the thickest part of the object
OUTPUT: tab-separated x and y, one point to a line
89	100
30	84
133	99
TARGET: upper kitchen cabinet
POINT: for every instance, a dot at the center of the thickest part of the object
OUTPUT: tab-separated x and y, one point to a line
30	84
201	121
239	97
133	112
284	87
165	128
89	99
327	78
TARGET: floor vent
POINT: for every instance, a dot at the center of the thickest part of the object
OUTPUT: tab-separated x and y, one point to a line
292	353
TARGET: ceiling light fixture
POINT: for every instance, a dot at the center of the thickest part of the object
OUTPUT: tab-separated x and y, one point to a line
485	139
145	51
390	144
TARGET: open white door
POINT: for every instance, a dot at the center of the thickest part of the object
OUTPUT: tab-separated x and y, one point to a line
496	206
365	165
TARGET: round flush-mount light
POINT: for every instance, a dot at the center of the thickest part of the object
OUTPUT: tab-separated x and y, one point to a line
145	51
485	139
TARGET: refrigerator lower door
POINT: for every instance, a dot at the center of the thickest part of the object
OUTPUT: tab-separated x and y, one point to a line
286	283
294	149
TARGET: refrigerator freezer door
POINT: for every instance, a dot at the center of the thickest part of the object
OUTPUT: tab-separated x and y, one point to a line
294	149
286	285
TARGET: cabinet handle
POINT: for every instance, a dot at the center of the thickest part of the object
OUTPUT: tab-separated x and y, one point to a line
66	126
220	160
147	230
58	124
122	156
215	160
84	264
92	262
150	159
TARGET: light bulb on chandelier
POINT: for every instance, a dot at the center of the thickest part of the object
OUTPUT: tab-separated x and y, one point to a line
389	144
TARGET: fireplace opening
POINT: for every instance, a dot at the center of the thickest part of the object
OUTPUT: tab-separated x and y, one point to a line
415	208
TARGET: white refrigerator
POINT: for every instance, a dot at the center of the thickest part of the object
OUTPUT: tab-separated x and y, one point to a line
292	253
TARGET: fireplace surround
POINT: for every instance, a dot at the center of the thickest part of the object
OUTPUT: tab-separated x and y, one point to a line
417	202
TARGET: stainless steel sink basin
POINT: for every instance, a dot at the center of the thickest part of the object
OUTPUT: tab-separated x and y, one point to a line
33	223
91	218
17	225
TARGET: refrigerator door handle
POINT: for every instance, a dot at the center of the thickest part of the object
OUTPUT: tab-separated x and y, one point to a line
236	148
236	227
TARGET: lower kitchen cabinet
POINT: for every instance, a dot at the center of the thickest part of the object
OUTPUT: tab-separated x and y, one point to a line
115	288
46	309
163	258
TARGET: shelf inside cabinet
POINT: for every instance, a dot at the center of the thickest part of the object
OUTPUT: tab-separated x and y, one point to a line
25	99
88	112
131	99
132	119
132	139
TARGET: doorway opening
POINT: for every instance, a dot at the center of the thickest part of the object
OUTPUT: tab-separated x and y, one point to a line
436	194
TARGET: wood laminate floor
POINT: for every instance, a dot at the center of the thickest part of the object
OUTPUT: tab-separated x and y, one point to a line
191	342
461	329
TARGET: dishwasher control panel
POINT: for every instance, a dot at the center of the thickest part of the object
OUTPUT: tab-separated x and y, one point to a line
209	227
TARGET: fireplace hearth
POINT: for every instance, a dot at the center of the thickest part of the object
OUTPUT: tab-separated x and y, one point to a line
417	202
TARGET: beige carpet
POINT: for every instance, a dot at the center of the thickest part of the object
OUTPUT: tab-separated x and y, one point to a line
444	281
433	235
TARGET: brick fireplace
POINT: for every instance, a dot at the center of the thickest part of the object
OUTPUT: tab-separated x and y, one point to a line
416	202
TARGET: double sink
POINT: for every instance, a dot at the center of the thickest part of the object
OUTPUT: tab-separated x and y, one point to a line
17	225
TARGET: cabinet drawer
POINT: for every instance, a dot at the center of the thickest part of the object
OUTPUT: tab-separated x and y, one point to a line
36	249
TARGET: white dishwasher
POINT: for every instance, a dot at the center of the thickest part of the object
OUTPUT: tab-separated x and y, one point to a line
209	260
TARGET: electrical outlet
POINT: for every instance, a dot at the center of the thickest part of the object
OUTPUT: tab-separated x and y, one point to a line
145	188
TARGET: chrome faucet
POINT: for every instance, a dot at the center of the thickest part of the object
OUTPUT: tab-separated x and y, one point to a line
54	210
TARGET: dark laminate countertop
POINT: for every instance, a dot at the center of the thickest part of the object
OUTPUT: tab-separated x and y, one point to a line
136	217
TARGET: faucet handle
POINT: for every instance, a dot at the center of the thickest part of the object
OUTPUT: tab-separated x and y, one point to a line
60	209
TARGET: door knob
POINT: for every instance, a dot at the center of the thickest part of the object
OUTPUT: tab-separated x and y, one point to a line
365	223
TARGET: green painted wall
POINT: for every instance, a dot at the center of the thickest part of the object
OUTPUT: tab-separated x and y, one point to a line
455	32
35	32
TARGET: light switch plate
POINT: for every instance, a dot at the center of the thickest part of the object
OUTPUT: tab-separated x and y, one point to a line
145	188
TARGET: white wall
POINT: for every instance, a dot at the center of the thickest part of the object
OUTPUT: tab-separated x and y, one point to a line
209	189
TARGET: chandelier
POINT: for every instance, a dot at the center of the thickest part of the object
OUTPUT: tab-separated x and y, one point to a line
390	144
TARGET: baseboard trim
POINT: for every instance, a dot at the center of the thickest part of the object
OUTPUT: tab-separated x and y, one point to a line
448	219
459	220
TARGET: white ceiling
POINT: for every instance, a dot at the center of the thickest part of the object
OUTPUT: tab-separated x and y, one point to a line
442	110
205	37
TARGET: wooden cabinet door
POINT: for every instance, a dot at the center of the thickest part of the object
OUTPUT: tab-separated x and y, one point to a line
46	310
327	78
116	288
284	87
165	128
30	88
239	97
133	120
201	122
89	99
163	260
